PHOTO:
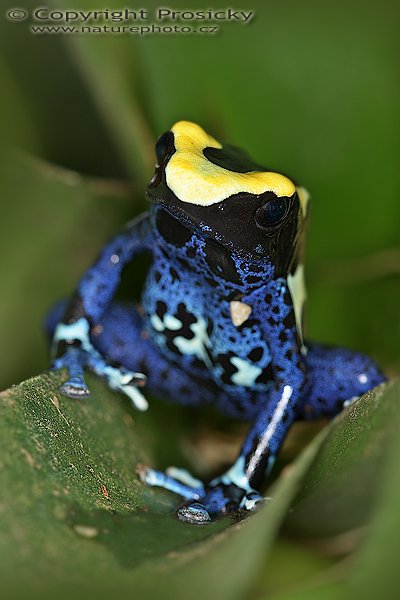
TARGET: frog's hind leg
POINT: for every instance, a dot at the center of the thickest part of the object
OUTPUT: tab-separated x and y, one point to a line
336	377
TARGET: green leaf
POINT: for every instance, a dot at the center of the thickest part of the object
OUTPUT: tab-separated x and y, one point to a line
75	510
74	514
377	566
289	567
342	487
329	591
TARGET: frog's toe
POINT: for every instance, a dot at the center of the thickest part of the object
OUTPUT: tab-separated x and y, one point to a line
73	390
128	383
195	513
165	480
137	399
184	477
252	501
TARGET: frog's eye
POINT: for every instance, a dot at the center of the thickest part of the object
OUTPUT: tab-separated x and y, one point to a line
271	213
162	145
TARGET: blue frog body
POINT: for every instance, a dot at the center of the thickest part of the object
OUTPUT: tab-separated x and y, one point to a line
221	316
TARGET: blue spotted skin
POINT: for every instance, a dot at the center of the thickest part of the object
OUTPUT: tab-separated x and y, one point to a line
184	341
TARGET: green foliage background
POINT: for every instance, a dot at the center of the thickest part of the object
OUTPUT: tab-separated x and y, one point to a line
308	88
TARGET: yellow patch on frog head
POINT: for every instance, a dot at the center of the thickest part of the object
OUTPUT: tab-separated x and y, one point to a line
196	180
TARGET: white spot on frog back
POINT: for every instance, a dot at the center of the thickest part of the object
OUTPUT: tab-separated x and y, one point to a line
246	374
168	322
172	323
157	323
197	345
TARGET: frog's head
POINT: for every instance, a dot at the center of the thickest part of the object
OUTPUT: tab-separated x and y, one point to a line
219	191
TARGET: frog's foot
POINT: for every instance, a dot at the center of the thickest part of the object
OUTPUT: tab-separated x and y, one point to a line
127	382
219	500
203	503
73	361
118	378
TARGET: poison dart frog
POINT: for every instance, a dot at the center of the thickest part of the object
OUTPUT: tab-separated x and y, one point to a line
221	314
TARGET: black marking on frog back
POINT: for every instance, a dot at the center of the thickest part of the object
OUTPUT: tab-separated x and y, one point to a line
248	324
161	309
210	328
174	274
256	354
187	319
289	321
228	368
267	375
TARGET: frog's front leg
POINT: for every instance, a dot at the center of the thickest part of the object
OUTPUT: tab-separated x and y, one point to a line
72	347
238	488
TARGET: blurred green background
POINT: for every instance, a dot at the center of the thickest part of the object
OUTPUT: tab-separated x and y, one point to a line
308	88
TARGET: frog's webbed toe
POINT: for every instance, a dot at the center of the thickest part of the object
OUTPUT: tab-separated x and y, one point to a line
195	513
74	390
123	380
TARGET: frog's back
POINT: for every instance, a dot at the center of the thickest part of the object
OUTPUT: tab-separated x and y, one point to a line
191	322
